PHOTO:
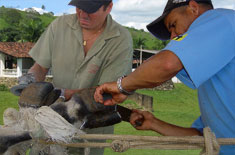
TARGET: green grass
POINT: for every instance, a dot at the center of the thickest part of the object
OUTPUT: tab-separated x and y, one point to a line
178	106
7	100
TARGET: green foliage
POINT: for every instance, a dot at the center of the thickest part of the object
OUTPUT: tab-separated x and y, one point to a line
28	27
49	14
3	87
159	44
2	23
31	29
47	18
12	17
148	41
9	34
139	43
28	30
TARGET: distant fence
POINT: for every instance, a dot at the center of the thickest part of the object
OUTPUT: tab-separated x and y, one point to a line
142	100
12	81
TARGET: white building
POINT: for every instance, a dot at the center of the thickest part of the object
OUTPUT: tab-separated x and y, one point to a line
141	55
14	58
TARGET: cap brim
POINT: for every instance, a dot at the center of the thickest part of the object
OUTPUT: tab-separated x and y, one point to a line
86	6
158	28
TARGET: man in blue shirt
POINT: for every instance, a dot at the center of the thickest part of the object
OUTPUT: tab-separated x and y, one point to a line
202	55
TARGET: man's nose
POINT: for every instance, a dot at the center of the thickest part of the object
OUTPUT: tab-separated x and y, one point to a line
173	35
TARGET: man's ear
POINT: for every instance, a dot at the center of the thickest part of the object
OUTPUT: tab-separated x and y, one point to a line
109	8
193	8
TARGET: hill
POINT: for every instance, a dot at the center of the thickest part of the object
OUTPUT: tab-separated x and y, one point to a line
10	16
16	25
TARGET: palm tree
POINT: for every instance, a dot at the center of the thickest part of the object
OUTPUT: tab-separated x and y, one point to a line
138	42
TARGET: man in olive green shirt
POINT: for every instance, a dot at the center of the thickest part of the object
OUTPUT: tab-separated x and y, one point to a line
83	50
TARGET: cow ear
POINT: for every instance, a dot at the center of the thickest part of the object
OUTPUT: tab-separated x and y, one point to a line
52	97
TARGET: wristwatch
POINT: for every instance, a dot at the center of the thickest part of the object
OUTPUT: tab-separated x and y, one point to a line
119	85
62	97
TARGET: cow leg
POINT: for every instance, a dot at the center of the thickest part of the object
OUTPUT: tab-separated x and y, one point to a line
19	148
10	137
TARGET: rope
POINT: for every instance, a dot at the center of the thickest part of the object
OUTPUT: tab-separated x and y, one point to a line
122	143
120	146
211	145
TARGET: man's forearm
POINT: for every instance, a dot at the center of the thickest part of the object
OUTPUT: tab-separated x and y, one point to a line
168	129
158	69
39	72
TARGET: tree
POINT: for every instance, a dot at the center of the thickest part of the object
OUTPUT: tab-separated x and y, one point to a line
138	42
43	7
10	34
159	44
31	29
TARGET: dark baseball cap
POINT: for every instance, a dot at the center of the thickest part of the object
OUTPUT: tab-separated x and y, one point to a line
89	6
158	28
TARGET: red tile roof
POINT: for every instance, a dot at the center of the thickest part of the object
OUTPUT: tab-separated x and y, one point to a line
16	49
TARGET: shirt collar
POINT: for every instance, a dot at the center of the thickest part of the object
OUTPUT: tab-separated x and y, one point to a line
111	30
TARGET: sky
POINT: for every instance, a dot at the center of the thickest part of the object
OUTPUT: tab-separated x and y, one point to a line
131	13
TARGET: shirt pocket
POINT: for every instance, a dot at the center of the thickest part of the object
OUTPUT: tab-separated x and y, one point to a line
89	72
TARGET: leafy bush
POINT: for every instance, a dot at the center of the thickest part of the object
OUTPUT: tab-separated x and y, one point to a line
3	87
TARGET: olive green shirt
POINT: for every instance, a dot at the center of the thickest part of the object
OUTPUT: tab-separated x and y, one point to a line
61	48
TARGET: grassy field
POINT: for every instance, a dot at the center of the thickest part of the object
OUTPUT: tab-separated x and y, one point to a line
7	100
178	106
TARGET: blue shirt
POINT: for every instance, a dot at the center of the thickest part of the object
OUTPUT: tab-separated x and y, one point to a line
207	52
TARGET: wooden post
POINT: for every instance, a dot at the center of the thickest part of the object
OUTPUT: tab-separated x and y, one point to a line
141	55
147	102
19	67
1	64
142	100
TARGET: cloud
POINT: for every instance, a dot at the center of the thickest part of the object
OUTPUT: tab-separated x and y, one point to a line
229	4
39	10
69	11
139	13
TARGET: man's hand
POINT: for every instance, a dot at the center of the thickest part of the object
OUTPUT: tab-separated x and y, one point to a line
145	118
68	93
111	88
150	122
23	82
